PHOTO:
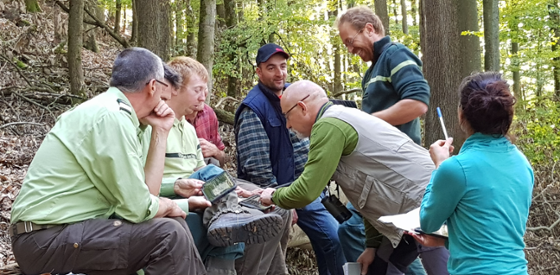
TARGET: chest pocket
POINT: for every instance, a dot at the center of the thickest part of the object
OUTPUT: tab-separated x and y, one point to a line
274	121
386	199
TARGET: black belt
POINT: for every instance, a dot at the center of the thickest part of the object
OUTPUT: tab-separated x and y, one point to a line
26	227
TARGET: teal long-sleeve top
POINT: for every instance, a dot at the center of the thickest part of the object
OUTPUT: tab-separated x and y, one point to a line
484	195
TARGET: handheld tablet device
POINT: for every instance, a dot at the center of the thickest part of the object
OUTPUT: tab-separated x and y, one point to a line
218	186
253	202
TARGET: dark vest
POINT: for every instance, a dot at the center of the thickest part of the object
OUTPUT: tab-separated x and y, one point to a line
267	107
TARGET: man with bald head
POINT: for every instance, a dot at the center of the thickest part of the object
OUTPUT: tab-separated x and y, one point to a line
270	155
380	169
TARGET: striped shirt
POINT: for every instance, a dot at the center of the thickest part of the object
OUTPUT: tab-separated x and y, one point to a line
395	74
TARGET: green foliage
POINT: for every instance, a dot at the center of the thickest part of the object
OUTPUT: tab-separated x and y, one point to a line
528	23
538	131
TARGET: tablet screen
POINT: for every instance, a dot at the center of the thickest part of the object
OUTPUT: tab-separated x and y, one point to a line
217	187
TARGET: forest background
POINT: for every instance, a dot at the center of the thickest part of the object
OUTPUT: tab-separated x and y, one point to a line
57	53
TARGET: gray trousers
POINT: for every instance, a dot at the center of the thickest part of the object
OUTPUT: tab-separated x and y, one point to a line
109	246
268	257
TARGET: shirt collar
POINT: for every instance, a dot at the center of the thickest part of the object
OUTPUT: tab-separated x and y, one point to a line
177	122
479	140
378	46
323	109
270	94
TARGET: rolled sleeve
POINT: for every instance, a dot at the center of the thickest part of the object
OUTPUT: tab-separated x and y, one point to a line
168	187
153	207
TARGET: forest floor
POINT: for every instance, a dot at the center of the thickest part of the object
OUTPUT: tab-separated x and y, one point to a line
34	91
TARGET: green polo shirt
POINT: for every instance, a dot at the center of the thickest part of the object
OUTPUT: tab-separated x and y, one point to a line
89	166
182	155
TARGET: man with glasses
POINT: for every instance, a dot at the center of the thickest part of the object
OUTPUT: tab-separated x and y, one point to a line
394	90
88	204
379	168
268	154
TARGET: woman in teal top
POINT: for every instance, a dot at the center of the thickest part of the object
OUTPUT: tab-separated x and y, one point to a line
484	192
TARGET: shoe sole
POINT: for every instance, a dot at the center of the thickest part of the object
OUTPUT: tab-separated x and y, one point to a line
256	231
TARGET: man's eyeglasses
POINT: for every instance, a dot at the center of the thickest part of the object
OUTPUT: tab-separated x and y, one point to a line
160	82
295	105
350	43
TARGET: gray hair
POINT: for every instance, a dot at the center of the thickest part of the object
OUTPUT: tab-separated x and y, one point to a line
134	68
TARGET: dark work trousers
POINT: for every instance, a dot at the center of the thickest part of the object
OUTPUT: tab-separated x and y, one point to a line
388	258
109	246
268	257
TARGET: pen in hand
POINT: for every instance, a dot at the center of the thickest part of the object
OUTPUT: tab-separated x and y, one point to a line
442	124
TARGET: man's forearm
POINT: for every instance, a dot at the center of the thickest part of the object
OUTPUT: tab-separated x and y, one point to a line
221	157
402	112
155	160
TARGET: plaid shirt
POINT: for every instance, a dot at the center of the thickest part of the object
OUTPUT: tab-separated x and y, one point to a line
253	148
206	125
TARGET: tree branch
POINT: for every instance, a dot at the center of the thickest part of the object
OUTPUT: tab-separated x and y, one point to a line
224	116
20	123
227	98
35	103
98	23
549	228
18	69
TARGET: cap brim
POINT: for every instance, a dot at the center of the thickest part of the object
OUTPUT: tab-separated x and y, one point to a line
286	55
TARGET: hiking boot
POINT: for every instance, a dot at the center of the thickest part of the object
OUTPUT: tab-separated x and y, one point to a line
231	228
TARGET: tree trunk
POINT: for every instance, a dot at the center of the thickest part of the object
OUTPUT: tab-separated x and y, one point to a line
538	68
337	52
515	70
118	8
469	45
205	53
59	27
220	16
134	35
438	23
90	41
553	12
413	11
154	26
180	27
491	35
123	28
395	12
381	11
515	66
75	72
32	6
404	17
231	21
191	29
